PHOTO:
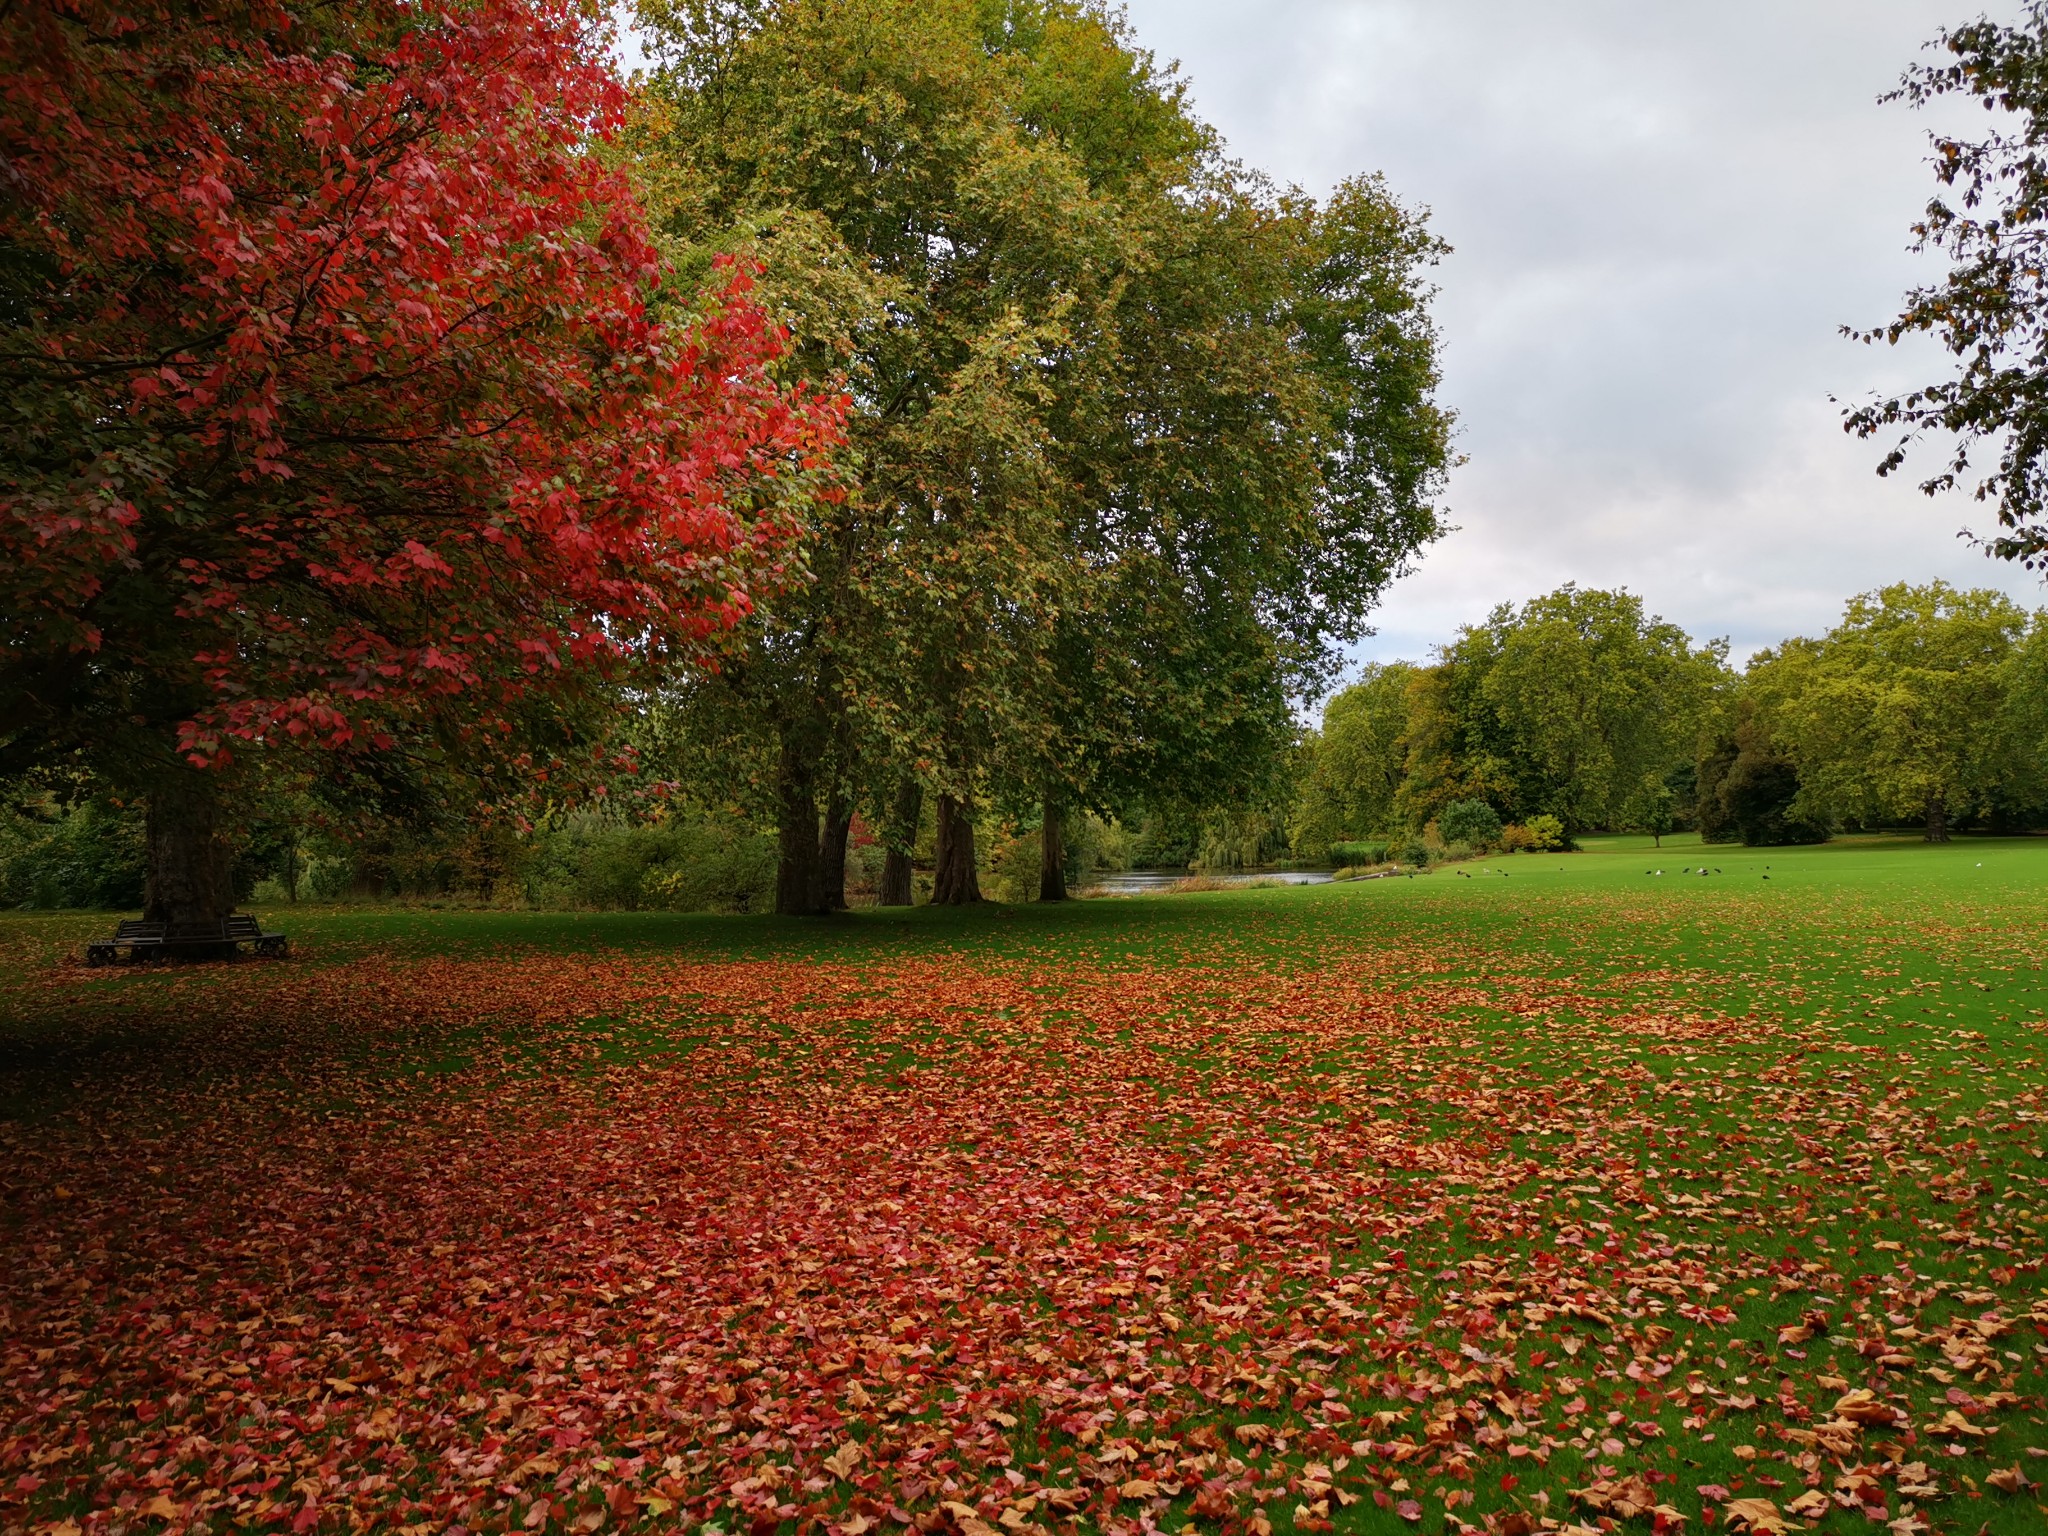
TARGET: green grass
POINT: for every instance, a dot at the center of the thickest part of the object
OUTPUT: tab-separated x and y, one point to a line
1822	1090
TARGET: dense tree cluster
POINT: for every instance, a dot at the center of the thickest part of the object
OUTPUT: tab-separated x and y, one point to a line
1926	705
895	414
1136	438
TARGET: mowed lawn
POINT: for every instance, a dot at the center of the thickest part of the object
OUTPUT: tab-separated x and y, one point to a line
1554	1193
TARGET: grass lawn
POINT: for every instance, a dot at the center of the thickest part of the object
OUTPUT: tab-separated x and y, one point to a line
1548	1193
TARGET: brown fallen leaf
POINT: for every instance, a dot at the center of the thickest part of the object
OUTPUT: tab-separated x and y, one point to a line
842	1461
1863	1406
1755	1515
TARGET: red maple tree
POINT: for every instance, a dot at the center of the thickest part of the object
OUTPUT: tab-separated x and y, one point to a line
337	414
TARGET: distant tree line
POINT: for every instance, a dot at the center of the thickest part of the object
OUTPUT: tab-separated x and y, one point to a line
1925	705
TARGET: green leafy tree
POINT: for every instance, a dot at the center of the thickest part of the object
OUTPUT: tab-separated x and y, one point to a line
1352	768
1749	788
1135	440
1902	711
1576	705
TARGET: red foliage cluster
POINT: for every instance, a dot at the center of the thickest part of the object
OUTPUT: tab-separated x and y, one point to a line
338	401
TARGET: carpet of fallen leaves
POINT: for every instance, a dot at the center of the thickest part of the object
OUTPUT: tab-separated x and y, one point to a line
982	1245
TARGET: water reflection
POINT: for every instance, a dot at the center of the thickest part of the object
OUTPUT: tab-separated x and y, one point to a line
1137	882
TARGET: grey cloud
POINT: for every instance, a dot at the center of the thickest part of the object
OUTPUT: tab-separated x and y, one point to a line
1662	215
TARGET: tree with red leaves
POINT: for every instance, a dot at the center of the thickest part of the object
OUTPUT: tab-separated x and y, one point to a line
342	420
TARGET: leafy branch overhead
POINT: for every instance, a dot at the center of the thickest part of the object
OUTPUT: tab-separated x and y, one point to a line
1990	312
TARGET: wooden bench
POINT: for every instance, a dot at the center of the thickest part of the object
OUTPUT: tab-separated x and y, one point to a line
133	935
187	941
244	929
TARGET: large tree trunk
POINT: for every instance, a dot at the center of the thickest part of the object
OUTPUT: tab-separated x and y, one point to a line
190	872
1937	819
954	882
1052	856
798	875
897	887
832	854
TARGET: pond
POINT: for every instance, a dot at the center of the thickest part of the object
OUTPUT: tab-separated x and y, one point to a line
1137	882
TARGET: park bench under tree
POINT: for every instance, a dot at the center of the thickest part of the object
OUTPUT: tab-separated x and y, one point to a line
136	940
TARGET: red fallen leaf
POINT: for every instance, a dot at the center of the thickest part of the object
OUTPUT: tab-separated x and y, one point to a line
1713	1493
1213	1502
1408	1509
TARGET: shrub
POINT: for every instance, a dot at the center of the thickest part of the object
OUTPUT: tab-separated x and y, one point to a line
1357	855
1455	852
86	856
714	867
1516	838
1546	834
1013	861
1094	844
591	861
1413	852
1470	821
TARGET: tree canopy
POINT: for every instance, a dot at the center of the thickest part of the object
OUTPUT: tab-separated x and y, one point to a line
1904	709
1136	440
337	416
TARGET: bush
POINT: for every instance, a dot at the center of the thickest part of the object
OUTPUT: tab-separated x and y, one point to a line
1470	821
591	861
1455	853
1357	855
1012	870
1546	834
1094	844
85	856
1414	852
1516	838
715	868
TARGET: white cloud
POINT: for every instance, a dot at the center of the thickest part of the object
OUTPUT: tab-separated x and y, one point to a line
1663	213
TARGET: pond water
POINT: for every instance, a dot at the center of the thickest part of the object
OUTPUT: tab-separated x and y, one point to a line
1136	882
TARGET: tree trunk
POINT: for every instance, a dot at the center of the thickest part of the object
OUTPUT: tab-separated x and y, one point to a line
798	875
190	872
832	854
1052	856
954	882
897	887
1937	819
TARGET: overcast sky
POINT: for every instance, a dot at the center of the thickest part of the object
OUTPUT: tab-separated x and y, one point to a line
1662	214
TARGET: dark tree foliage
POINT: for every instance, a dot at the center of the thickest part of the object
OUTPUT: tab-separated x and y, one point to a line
1747	789
1990	219
1470	821
1716	821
